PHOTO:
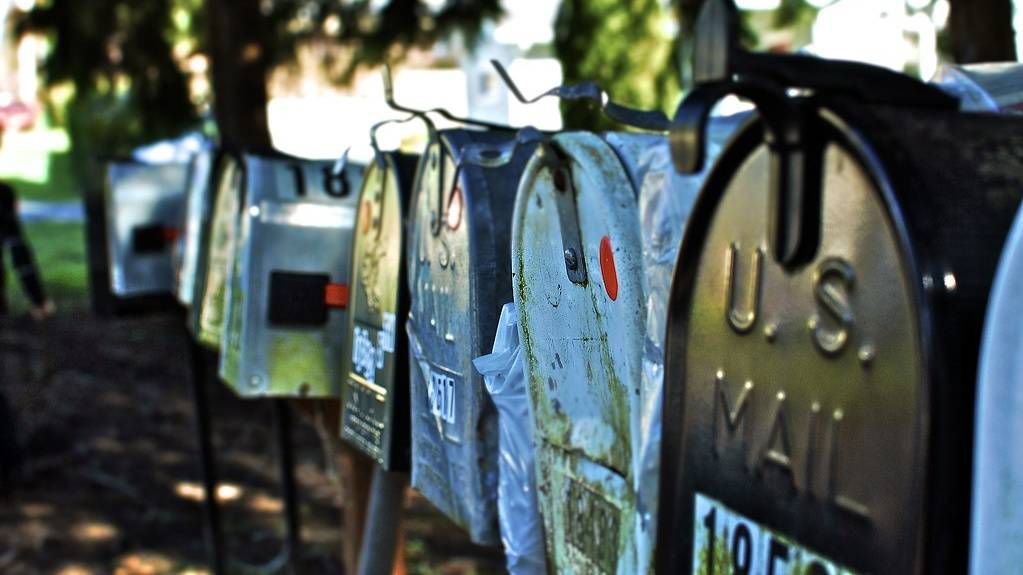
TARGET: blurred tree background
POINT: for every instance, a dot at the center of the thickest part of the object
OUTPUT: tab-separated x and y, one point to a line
126	65
116	63
623	45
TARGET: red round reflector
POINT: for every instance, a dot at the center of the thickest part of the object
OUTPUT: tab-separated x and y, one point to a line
607	268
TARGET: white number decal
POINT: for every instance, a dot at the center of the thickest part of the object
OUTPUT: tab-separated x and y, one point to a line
727	543
441	393
367	357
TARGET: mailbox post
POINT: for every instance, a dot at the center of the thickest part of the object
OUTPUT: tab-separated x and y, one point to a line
204	323
254	187
824	320
375	393
459	277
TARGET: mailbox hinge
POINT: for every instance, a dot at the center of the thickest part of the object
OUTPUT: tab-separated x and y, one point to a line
568	212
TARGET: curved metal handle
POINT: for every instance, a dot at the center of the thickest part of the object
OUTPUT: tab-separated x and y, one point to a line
394	105
497	155
653	120
335	184
432	135
795	173
718	57
721	67
377	154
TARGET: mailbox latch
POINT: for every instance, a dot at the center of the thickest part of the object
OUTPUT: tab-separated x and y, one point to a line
568	212
153	239
300	299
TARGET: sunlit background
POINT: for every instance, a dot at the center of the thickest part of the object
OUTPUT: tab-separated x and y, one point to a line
124	77
61	106
311	116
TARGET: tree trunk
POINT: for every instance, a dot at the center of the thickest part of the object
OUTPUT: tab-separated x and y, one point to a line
981	31
239	72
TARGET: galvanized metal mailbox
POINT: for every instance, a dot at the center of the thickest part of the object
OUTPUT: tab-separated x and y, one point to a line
578	286
218	252
375	409
195	217
143	208
459	277
824	320
288	292
997	522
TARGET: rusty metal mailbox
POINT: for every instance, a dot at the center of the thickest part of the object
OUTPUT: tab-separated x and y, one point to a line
375	409
997	522
288	293
194	218
578	285
459	276
143	208
824	320
218	253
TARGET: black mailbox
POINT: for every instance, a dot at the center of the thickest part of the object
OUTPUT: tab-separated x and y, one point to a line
825	316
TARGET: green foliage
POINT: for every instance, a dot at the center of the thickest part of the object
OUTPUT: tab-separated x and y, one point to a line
118	56
620	44
129	88
794	13
375	34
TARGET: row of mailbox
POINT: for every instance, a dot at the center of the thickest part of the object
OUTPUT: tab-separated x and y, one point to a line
750	344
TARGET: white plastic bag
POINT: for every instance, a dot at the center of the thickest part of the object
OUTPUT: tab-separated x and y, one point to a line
519	517
666	200
995	87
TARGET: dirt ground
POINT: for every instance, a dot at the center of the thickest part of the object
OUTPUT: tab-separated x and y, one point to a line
110	480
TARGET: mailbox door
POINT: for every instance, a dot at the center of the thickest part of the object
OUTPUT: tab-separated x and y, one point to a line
460	275
375	415
220	164
997	522
194	217
254	187
578	288
220	253
144	203
816	413
301	245
795	391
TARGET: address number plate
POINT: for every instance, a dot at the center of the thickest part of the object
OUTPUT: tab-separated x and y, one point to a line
441	394
729	544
